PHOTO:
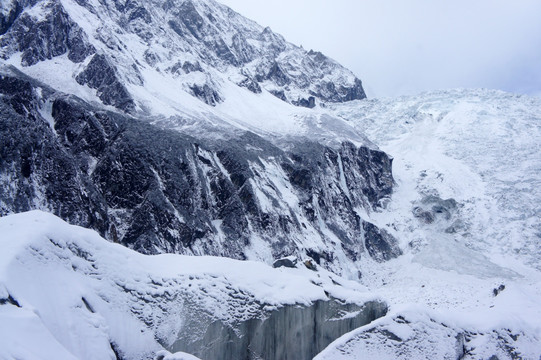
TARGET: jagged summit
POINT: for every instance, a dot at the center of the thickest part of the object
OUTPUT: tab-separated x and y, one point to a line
148	55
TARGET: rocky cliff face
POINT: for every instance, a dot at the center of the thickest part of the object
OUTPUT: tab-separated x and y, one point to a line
102	153
158	190
120	47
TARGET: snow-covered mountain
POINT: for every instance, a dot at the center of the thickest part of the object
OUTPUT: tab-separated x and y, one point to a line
159	190
244	174
181	127
467	168
149	55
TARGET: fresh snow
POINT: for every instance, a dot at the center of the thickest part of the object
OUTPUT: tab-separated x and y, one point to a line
166	355
80	295
479	147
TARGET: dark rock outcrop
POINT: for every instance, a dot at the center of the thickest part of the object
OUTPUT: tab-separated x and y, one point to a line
36	170
434	210
8	18
309	103
54	33
158	190
251	85
99	74
206	94
289	262
381	245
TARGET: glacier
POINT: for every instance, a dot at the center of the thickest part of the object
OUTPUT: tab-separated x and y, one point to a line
215	148
80	296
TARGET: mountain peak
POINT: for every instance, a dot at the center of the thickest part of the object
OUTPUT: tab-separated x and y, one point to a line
201	48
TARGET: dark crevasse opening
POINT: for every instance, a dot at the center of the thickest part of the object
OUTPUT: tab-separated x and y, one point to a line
292	332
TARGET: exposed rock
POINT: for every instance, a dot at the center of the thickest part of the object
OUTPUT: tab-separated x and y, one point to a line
498	290
35	165
425	216
280	94
433	207
290	262
310	265
206	93
157	190
8	18
381	245
309	103
9	300
277	75
39	39
99	74
251	85
455	227
189	67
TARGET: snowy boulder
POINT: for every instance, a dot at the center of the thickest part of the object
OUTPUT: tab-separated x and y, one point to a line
166	355
309	263
290	262
433	207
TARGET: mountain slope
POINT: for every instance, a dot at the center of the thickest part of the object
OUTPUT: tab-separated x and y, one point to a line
158	190
218	80
155	53
478	147
171	126
465	209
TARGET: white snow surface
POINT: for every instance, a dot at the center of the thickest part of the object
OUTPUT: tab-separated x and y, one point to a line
414	333
166	355
481	148
77	293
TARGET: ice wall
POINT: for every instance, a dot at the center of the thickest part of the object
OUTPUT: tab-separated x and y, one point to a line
291	332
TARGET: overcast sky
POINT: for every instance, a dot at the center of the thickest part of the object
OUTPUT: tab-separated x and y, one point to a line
399	47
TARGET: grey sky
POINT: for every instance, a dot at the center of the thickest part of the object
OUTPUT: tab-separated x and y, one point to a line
404	47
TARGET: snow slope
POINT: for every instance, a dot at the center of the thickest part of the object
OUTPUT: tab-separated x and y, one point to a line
66	293
480	148
414	333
